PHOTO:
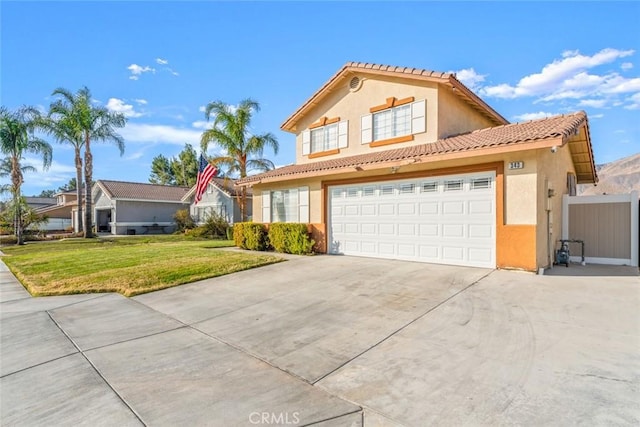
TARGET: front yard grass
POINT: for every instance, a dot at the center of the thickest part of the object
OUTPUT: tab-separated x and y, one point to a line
130	266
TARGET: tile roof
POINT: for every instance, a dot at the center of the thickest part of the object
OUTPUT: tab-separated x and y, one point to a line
142	191
227	185
349	68
506	135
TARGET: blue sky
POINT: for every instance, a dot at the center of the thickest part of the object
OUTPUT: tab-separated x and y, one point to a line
160	62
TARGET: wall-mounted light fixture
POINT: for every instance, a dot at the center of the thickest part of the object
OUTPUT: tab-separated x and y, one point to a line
394	169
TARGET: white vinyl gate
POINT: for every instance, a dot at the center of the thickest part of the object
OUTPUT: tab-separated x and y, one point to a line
445	219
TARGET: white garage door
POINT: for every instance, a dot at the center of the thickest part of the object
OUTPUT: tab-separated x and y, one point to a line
445	220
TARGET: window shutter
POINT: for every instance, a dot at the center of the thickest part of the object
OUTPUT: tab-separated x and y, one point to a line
343	134
306	142
303	200
418	117
266	206
366	129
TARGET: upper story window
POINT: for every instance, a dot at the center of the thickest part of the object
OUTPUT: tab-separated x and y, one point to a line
325	137
395	121
392	122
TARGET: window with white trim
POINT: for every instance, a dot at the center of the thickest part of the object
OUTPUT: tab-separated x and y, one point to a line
324	138
392	122
290	205
403	120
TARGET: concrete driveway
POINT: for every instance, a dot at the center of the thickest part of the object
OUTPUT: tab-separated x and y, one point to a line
328	341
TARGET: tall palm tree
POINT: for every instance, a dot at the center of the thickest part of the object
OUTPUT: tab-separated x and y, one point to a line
231	133
16	139
62	125
5	172
80	122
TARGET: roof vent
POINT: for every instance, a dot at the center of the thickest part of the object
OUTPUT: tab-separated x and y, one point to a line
355	83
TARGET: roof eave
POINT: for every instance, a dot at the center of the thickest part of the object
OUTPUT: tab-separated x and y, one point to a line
429	158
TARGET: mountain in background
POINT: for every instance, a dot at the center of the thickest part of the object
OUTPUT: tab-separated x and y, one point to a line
621	176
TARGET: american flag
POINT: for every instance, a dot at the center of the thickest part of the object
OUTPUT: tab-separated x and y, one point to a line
205	173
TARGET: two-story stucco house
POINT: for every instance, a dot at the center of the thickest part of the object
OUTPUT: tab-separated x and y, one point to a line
410	164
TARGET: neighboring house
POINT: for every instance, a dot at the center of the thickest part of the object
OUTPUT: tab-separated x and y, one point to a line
39	202
136	208
60	213
220	197
410	164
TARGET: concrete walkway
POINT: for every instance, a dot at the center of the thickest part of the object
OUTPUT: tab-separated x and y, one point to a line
328	341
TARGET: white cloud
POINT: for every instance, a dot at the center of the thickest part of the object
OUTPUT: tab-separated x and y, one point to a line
596	116
634	102
160	134
626	66
161	61
470	77
533	116
202	124
138	70
119	106
135	156
566	78
141	101
593	103
202	108
174	73
57	173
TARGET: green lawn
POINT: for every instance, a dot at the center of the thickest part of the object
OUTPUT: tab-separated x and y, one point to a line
131	265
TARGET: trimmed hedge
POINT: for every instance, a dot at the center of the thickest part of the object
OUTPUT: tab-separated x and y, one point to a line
290	238
249	235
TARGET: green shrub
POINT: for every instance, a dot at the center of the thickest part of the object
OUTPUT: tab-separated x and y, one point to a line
230	232
249	235
183	220
290	238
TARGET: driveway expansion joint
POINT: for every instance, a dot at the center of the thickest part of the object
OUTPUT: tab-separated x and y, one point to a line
441	303
97	371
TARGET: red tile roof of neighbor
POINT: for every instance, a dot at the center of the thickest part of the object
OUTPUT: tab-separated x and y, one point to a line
142	191
351	68
471	143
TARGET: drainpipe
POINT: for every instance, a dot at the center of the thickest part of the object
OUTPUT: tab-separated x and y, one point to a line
550	193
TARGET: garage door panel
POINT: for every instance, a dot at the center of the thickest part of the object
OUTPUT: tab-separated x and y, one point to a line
368	229
387	209
406	229
406	209
441	219
480	207
368	210
480	231
387	229
455	207
452	230
429	208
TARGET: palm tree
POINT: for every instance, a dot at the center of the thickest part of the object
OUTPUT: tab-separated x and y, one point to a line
61	124
78	122
231	133
16	139
5	172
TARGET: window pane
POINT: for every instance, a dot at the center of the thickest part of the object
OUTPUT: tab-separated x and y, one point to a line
331	137
382	125
317	140
284	206
407	188
480	183
402	120
429	187
453	185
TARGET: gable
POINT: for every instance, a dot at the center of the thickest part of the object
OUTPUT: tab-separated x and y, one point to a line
353	74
